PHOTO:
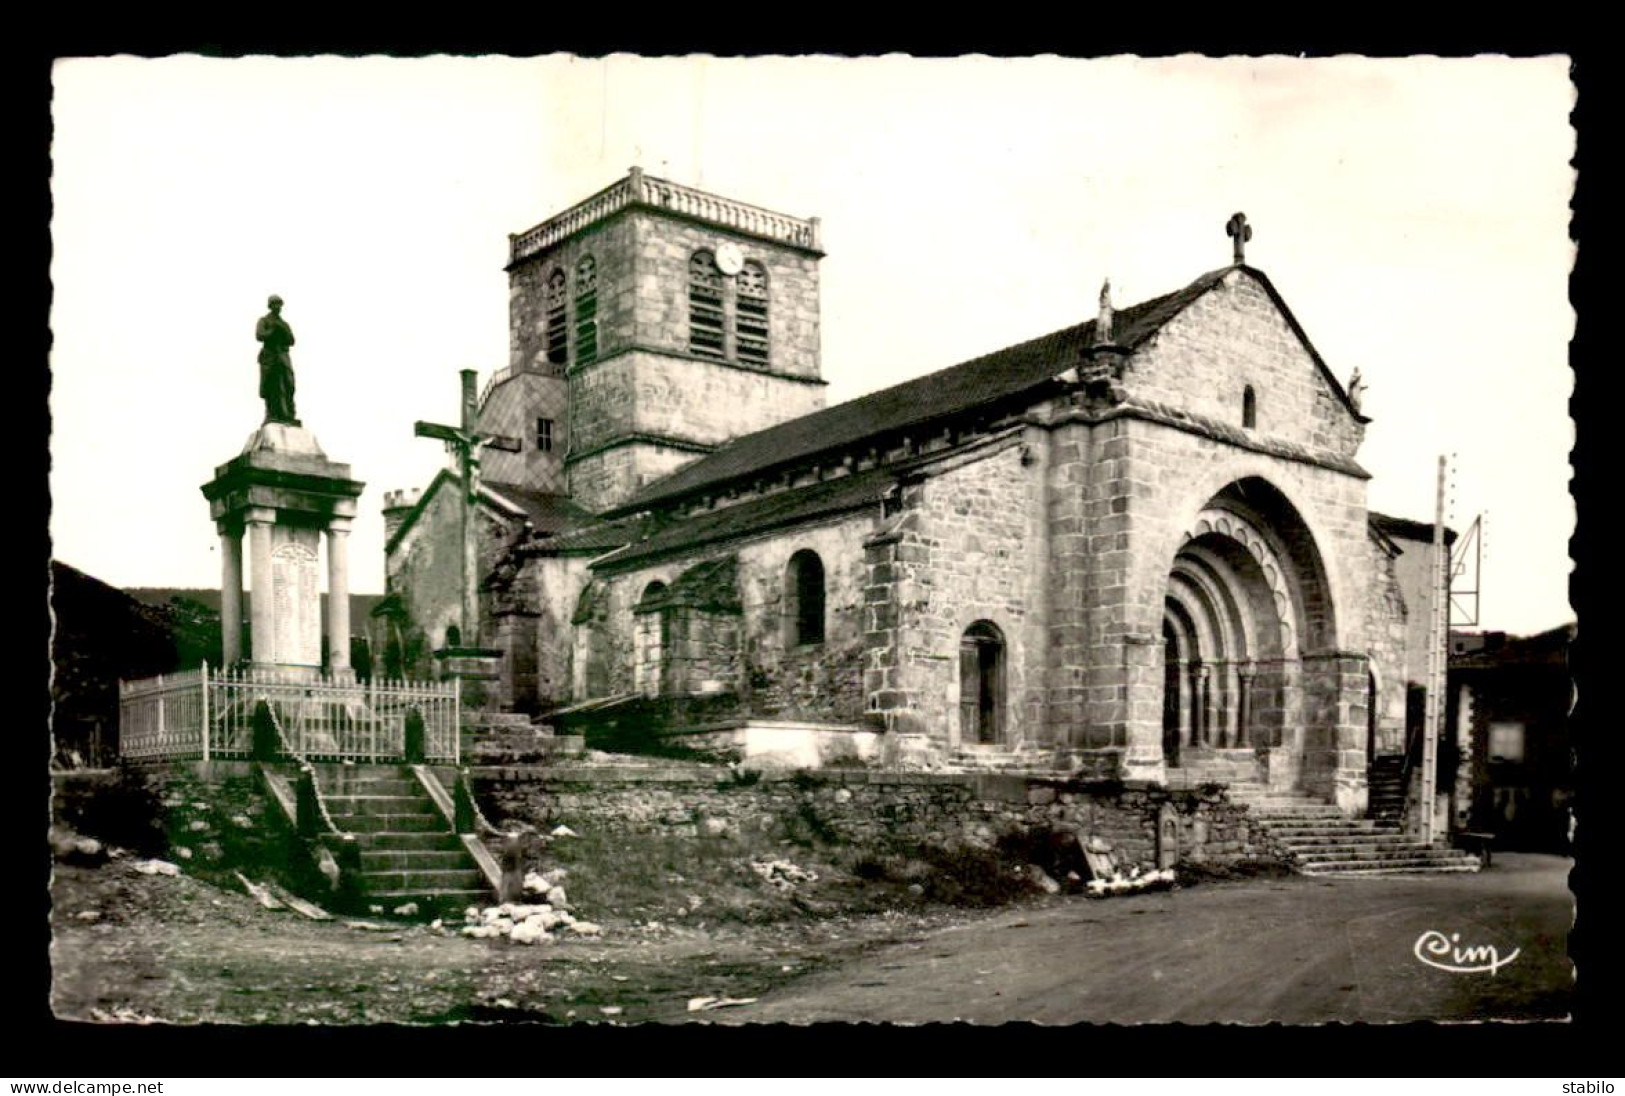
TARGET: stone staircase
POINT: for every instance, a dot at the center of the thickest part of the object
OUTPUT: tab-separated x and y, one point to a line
1321	841
409	852
506	738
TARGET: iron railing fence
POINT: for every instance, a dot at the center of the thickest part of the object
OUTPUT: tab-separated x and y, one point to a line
208	713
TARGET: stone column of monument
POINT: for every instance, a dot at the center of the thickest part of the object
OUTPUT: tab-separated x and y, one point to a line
338	596
231	593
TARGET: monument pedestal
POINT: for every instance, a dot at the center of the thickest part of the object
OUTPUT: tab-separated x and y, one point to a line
282	495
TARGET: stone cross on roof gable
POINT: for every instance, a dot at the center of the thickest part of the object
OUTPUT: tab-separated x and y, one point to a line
1239	232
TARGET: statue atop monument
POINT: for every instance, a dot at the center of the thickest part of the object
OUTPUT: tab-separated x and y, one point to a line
276	366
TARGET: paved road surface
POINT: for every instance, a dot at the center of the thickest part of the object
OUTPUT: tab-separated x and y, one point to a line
1295	950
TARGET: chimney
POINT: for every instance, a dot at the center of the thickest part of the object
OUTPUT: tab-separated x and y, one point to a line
397	504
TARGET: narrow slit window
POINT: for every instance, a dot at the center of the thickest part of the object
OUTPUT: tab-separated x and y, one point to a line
558	348
705	327
1249	407
750	315
586	311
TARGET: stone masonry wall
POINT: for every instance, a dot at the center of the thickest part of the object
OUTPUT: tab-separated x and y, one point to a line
612	476
1232	337
1387	612
871	809
425	569
966	554
819	682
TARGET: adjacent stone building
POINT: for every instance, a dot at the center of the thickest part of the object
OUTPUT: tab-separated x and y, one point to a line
1136	547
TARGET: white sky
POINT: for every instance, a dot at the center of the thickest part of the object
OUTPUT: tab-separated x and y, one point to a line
1413	213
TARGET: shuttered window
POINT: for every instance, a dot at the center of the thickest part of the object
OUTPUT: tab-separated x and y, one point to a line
750	315
586	311
705	326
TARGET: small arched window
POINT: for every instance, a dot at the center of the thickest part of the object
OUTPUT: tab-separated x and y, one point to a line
586	310
804	599
1249	407
454	636
750	315
558	341
705	306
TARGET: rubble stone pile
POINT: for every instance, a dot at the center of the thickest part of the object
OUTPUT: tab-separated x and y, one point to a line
529	923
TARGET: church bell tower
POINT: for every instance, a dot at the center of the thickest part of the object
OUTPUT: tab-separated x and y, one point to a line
649	324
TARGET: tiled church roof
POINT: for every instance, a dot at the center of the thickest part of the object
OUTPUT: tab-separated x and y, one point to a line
1406	529
1003	375
771	511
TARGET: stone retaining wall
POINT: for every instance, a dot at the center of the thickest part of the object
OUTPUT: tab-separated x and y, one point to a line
867	808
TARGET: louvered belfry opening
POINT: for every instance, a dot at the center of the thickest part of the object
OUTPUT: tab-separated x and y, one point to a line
750	317
558	339
705	324
586	310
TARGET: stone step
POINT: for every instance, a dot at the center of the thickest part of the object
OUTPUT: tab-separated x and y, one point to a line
390	823
1391	867
372	785
1350	841
1309	827
445	900
351	805
414	859
1412	852
443	841
420	881
1291	812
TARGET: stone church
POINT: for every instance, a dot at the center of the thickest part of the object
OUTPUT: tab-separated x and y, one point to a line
1137	547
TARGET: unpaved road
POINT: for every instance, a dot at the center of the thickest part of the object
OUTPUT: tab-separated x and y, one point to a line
1297	950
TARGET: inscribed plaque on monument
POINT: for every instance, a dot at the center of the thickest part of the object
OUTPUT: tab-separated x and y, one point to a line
296	597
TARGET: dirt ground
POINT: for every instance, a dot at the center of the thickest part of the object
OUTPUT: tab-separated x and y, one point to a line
130	947
1298	950
134	948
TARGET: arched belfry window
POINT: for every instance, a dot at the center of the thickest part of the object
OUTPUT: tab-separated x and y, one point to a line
705	325
558	345
586	310
750	315
804	599
1249	407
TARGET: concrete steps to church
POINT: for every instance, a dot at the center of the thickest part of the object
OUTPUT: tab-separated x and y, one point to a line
1320	841
408	850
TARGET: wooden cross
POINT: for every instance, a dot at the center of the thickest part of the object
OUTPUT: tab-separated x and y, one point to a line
465	442
1239	232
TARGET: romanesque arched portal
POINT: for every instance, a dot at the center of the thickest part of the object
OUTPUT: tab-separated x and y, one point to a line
1250	672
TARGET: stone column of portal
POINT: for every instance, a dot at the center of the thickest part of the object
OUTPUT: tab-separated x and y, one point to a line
231	593
1204	702
338	596
1244	705
1187	703
262	637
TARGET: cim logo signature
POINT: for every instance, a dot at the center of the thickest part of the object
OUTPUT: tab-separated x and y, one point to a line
1445	953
